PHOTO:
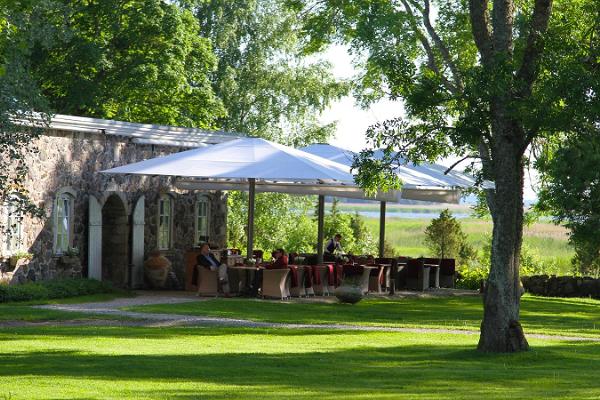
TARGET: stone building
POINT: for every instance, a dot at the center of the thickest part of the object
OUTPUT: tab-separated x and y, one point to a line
113	221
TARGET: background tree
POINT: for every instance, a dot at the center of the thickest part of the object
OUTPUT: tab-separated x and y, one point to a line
445	238
20	100
480	80
269	88
133	60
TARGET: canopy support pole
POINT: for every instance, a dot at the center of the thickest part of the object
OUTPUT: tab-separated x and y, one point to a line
320	228
251	195
382	229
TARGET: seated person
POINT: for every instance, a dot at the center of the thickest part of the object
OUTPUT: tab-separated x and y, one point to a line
280	261
207	260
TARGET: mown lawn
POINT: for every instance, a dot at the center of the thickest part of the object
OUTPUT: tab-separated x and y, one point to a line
119	362
236	363
554	316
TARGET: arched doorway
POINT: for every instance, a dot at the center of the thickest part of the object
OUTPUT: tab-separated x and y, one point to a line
115	242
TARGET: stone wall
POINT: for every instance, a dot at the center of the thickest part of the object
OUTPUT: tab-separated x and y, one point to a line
562	286
73	160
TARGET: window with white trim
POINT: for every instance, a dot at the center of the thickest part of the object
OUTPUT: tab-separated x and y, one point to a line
165	221
13	230
63	222
202	220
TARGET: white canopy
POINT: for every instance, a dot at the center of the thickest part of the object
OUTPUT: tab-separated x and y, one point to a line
425	177
242	159
275	167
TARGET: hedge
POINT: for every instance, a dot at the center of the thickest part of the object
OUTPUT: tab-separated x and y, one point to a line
53	289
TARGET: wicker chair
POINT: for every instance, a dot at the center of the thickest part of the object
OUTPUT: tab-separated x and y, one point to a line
208	282
276	283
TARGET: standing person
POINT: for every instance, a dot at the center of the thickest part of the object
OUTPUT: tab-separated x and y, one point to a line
207	260
333	246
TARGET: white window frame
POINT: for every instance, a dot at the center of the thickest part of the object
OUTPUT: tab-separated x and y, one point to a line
200	237
164	213
63	221
13	226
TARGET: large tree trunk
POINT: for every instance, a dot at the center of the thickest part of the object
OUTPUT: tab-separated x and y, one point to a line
500	328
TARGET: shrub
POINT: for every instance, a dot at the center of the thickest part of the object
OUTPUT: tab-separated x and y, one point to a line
53	289
470	277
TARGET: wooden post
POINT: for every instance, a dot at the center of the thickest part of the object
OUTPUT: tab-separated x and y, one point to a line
382	229
251	195
321	217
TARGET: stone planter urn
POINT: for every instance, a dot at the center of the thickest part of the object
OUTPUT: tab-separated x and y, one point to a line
156	270
350	291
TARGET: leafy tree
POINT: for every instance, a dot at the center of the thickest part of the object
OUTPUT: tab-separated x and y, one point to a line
336	222
570	190
20	102
479	79
445	238
132	60
268	88
296	231
364	243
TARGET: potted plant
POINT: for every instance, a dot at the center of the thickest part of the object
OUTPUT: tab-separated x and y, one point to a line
70	256
22	256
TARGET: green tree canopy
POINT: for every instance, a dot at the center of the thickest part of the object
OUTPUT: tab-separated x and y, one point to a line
20	99
268	87
133	60
570	191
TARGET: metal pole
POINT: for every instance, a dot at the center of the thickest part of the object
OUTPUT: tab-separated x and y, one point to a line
251	196
382	229
321	217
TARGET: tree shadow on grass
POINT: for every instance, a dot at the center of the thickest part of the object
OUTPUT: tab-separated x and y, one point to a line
409	370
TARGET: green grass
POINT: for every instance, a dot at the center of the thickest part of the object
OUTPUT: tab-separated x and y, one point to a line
234	363
538	314
546	239
22	311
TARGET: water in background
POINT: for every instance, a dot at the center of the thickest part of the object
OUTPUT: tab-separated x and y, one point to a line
409	215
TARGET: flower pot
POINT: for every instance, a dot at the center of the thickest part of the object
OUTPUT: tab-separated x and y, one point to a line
156	270
350	291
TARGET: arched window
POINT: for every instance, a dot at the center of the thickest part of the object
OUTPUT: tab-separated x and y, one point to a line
202	219
165	222
63	221
13	229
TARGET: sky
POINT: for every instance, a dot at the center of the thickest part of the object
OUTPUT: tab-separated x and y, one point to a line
353	121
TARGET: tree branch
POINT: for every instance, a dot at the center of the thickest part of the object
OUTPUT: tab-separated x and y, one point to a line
480	26
450	168
535	45
431	61
439	44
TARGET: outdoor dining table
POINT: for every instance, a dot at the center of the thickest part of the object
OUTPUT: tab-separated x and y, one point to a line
248	275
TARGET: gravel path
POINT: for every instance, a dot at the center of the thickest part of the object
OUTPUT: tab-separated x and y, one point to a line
163	320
